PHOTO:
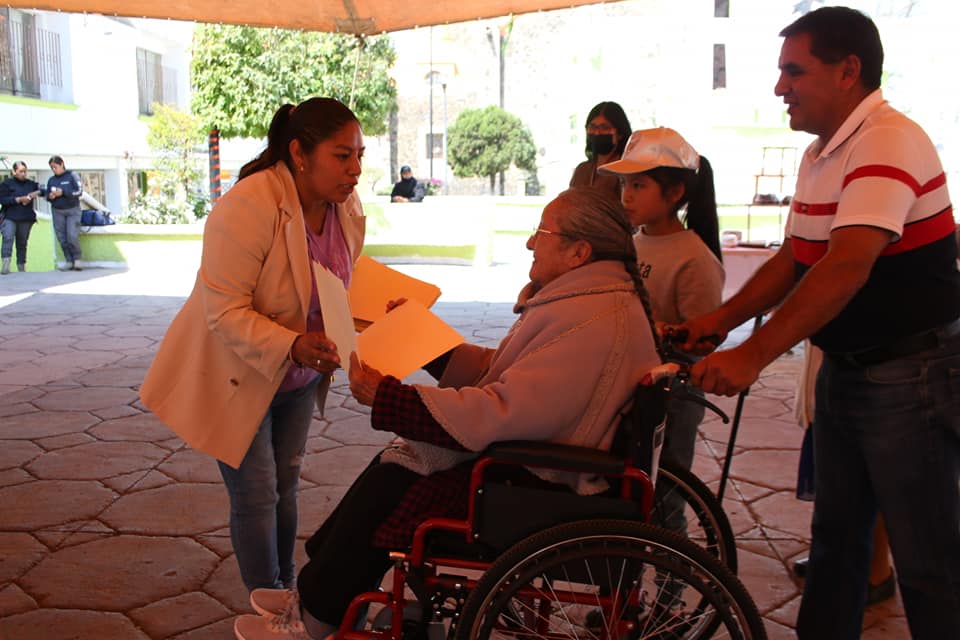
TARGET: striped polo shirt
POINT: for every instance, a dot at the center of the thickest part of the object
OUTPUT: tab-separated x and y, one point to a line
880	170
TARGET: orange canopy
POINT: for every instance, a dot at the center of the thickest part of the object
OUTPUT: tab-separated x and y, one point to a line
347	16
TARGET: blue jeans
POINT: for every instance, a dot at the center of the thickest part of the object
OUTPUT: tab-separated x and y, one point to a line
886	437
66	224
263	491
683	419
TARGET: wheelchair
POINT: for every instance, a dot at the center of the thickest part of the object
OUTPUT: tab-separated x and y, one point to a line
529	562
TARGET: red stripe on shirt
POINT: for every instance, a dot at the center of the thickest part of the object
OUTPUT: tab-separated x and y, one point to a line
815	209
934	184
895	173
807	252
922	232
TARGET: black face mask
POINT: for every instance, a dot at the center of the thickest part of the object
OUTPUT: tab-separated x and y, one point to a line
599	144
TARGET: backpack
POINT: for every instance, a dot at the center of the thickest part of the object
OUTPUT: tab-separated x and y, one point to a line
94	218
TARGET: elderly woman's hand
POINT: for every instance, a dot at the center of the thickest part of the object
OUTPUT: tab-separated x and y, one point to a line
364	381
315	350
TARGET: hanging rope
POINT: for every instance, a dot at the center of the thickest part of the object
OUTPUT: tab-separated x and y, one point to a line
361	44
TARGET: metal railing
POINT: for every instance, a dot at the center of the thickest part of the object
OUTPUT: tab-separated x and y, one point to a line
29	57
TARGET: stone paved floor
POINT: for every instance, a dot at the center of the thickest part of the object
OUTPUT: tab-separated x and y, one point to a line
110	528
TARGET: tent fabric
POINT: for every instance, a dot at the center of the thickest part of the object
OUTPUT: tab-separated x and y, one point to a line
346	16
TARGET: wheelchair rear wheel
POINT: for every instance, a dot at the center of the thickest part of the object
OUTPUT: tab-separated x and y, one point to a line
684	504
608	579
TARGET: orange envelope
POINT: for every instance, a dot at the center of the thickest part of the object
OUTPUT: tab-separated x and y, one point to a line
373	284
405	339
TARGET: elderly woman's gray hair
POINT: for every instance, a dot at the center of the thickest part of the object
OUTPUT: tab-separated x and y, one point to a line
595	216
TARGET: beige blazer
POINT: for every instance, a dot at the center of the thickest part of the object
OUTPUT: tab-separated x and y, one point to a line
227	350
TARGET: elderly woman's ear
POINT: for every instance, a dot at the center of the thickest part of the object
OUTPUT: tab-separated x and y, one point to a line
582	253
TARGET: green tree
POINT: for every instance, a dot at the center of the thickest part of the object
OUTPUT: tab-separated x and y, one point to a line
175	138
175	193
484	142
242	74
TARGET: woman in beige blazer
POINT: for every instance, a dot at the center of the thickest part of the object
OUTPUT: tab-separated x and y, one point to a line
245	359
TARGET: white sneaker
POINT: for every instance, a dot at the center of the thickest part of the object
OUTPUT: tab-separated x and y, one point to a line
275	602
254	627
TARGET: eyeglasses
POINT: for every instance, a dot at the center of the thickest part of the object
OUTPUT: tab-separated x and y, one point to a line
548	232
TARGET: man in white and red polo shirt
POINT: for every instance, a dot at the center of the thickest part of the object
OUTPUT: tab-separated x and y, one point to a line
868	272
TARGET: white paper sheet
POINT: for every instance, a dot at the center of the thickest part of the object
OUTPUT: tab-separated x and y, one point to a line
337	319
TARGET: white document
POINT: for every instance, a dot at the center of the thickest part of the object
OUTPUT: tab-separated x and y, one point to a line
337	319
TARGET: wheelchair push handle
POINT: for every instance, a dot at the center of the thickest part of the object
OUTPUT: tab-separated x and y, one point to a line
673	336
675	378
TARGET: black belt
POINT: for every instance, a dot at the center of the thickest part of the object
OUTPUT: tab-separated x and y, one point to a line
917	343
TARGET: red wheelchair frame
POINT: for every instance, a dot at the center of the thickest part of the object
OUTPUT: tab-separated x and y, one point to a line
631	471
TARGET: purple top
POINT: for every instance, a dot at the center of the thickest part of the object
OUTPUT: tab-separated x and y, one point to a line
329	249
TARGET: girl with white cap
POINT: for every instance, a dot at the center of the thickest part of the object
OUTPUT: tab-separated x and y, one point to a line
668	193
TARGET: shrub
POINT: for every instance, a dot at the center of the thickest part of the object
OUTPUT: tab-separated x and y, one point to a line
155	209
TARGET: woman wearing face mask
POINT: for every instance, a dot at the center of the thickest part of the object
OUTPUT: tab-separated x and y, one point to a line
607	129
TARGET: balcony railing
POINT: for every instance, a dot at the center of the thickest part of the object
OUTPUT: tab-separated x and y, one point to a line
29	57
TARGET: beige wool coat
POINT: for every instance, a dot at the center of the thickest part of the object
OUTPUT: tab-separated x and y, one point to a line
227	350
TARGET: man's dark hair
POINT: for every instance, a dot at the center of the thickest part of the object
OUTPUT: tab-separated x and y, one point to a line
837	32
56	160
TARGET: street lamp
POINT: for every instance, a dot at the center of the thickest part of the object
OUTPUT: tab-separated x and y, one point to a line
431	79
446	180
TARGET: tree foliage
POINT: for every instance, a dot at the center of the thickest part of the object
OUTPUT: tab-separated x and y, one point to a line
176	138
484	142
175	192
241	75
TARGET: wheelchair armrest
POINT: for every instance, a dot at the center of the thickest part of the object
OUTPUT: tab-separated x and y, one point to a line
555	456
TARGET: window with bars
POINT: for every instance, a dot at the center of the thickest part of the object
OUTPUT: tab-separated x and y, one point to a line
434	145
29	56
149	80
719	66
156	84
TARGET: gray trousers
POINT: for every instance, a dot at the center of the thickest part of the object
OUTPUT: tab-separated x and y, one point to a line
66	224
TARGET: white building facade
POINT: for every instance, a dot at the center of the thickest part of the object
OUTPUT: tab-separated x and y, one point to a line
79	86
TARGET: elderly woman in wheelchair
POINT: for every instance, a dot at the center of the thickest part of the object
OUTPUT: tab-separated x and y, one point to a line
559	381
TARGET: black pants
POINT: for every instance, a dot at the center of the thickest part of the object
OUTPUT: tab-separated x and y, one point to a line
343	563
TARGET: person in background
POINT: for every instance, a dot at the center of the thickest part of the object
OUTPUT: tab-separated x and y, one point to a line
405	190
867	270
63	192
667	190
607	130
246	359
17	195
584	304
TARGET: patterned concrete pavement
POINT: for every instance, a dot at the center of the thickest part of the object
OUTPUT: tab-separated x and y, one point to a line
110	528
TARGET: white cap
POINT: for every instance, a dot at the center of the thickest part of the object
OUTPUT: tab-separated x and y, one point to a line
651	148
